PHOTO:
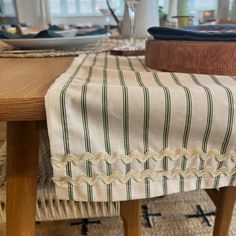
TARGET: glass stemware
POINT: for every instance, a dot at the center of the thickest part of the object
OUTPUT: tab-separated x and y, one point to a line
132	7
106	12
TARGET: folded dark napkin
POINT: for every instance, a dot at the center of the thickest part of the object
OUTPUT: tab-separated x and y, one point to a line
214	28
42	34
226	33
48	34
6	35
92	32
55	28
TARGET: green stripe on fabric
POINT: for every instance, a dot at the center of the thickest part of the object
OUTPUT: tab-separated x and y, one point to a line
117	63
84	113
234	78
64	125
105	116
208	124
232	179
146	108
145	124
229	124
130	64
187	126
230	114
165	129
125	125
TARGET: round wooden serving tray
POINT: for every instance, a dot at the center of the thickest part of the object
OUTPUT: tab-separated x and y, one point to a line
201	57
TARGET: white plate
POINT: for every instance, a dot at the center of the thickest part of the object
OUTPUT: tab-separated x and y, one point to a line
54	43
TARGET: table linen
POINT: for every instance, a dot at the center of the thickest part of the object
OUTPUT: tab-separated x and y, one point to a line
218	33
120	131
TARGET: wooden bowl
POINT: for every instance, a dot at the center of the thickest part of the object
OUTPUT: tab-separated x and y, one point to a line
198	57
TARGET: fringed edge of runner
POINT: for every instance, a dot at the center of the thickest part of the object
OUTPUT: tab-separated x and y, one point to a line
49	207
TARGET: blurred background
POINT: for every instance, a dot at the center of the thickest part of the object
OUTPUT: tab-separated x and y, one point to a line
71	13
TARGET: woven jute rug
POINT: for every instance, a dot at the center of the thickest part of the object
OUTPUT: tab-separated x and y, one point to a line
184	214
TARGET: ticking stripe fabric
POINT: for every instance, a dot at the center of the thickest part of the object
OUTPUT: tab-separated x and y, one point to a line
120	131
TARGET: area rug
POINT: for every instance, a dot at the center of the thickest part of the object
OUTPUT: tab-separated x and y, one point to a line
184	214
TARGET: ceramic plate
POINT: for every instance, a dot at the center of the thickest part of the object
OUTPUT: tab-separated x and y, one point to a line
54	43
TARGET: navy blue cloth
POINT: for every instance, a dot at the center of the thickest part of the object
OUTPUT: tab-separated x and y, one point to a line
55	28
43	34
48	34
210	27
194	33
6	35
93	32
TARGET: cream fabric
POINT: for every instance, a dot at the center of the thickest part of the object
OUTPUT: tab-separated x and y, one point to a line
33	12
223	9
233	11
120	131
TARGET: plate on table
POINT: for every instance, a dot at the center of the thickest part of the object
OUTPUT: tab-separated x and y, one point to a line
54	43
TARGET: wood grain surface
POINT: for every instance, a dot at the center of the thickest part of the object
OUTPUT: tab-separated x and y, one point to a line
217	58
214	196
22	168
130	212
24	83
226	200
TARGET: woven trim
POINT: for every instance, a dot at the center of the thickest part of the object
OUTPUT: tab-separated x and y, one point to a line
140	176
48	206
61	161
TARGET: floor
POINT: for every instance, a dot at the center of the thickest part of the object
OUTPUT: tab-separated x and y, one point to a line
184	214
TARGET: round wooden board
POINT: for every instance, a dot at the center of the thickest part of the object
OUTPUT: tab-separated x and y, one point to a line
218	58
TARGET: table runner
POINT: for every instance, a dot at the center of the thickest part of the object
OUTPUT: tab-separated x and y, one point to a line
120	131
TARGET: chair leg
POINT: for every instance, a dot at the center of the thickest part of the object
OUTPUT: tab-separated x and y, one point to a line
224	210
131	215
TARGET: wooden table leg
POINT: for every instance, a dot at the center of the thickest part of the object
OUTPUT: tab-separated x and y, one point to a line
22	165
131	215
226	200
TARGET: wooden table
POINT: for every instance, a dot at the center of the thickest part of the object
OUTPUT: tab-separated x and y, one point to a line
23	85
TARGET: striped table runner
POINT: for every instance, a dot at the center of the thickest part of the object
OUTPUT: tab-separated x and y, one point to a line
119	131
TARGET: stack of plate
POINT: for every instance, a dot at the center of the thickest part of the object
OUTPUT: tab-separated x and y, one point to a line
68	41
